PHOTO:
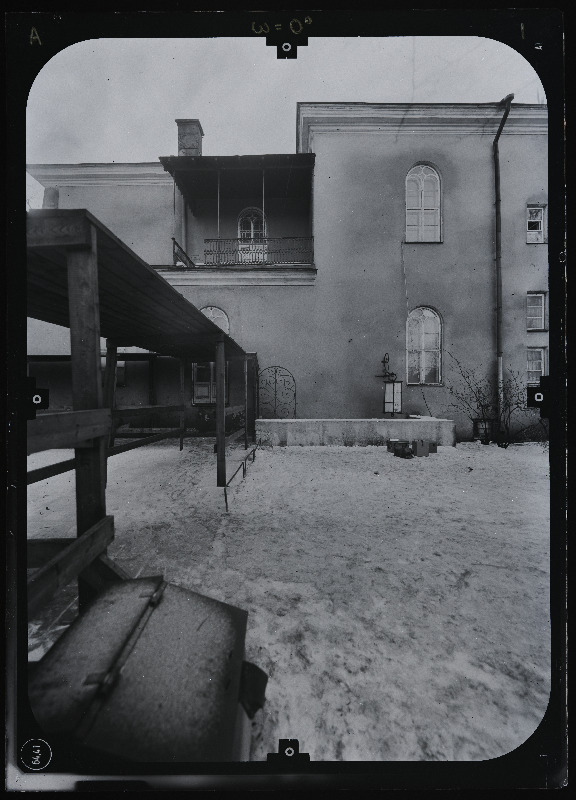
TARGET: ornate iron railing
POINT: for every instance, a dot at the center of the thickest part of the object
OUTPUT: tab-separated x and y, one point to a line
284	250
179	256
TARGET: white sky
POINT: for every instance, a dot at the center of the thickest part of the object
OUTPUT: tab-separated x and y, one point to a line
107	100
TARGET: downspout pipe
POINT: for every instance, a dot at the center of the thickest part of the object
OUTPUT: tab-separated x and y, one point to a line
506	102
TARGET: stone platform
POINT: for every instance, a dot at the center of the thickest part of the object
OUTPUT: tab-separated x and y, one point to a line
350	432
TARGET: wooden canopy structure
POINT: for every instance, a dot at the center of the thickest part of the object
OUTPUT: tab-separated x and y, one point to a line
82	276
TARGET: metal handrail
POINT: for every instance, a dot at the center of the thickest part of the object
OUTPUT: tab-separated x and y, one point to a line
179	255
264	250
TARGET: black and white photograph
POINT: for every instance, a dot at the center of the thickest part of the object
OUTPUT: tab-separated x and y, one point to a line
286	437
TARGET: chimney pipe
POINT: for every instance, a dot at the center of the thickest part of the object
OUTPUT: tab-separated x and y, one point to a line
51	197
190	135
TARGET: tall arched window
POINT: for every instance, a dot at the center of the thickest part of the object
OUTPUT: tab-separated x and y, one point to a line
423	346
422	204
251	236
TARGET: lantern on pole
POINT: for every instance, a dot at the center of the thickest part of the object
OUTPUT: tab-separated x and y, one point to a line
392	390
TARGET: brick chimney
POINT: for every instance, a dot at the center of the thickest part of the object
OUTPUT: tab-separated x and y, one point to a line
51	197
190	135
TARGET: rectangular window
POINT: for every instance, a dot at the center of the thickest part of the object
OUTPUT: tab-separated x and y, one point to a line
535	365
204	377
536	311
535	224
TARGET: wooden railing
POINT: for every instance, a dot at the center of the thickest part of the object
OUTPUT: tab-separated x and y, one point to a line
254	252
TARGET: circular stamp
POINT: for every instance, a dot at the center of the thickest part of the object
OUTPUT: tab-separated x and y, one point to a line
36	754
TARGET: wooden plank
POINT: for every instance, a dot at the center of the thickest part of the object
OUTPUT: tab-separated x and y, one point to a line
143	411
58	228
67	429
220	368
68	563
157	437
42	473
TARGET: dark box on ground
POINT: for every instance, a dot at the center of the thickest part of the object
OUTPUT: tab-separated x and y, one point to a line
150	672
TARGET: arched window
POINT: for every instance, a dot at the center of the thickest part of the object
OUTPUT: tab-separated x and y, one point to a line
217	316
251	236
204	374
422	204
251	224
423	347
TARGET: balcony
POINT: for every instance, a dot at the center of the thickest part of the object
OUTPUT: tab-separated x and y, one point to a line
259	251
288	260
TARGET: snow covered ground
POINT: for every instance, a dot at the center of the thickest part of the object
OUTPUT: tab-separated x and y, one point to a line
400	607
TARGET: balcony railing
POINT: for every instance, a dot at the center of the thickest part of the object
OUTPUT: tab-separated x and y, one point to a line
179	256
254	252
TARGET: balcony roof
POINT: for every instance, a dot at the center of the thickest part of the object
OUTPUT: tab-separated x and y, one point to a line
138	308
285	175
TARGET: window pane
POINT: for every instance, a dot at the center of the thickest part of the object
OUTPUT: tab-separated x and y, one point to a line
413	367
534	365
535	213
203	372
412	193
413	334
431	341
535	311
430	193
431	367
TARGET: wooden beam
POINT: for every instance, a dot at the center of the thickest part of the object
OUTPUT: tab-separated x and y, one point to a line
220	367
245	402
84	313
182	398
67	429
42	473
142	411
57	228
152	380
68	563
110	381
157	437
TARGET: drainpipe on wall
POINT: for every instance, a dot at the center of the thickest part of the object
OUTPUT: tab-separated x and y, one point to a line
506	102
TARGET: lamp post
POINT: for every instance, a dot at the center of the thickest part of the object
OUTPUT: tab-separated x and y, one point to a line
392	390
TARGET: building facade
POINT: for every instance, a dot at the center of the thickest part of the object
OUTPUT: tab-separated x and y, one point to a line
377	236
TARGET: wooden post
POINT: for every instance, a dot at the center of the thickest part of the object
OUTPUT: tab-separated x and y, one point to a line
110	381
151	380
182	400
86	387
220	414
152	401
245	402
218	207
